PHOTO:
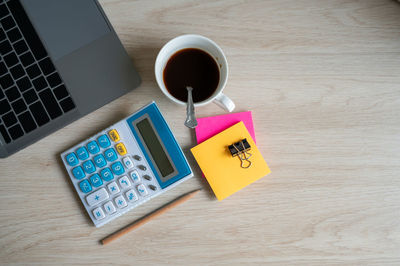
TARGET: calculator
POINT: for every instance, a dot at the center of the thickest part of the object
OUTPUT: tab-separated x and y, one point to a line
125	165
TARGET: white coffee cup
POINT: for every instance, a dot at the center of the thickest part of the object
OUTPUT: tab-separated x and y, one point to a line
207	45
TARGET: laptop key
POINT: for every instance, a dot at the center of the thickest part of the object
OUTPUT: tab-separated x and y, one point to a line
6	81
20	47
24	84
5	47
50	103
11	59
1	94
14	35
33	71
2	35
3	10
67	104
60	92
16	131
19	106
39	83
12	93
30	96
17	71
47	66
4	106
4	133
54	79
27	121
9	119
27	29
27	59
3	69
7	23
39	113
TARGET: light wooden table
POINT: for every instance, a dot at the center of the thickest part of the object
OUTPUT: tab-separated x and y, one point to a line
323	81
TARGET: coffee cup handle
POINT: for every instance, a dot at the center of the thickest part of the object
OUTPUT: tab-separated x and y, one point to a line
224	102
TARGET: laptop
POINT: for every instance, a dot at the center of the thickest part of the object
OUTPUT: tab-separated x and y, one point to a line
60	60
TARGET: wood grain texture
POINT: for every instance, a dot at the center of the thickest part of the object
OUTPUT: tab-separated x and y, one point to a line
323	81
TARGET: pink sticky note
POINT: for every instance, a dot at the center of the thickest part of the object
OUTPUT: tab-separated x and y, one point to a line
212	125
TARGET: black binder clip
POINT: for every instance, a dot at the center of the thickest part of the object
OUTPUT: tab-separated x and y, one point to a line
241	149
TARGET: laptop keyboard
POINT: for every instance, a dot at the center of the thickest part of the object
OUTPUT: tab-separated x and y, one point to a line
32	92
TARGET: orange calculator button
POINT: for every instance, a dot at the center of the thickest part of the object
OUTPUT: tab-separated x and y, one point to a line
114	135
121	148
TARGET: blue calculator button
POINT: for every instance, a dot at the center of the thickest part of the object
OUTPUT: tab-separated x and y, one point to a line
92	147
82	153
117	168
111	155
104	141
71	158
96	180
78	172
106	174
99	161
89	167
85	186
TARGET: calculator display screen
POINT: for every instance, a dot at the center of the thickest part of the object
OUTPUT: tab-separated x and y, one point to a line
156	149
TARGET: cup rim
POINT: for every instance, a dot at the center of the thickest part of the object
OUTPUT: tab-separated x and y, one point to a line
221	85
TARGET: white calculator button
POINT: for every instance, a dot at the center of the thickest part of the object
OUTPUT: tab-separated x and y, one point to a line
127	162
124	182
131	195
97	197
113	188
142	190
109	207
98	213
135	176
120	201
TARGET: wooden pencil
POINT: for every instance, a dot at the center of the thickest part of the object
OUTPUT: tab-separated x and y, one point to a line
149	217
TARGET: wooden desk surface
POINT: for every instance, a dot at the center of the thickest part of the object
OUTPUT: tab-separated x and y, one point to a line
323	81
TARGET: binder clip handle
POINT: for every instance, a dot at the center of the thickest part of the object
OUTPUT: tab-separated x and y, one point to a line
241	150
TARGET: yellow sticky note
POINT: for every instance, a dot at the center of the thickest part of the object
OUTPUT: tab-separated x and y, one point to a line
223	172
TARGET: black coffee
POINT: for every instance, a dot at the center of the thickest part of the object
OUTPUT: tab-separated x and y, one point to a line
191	67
